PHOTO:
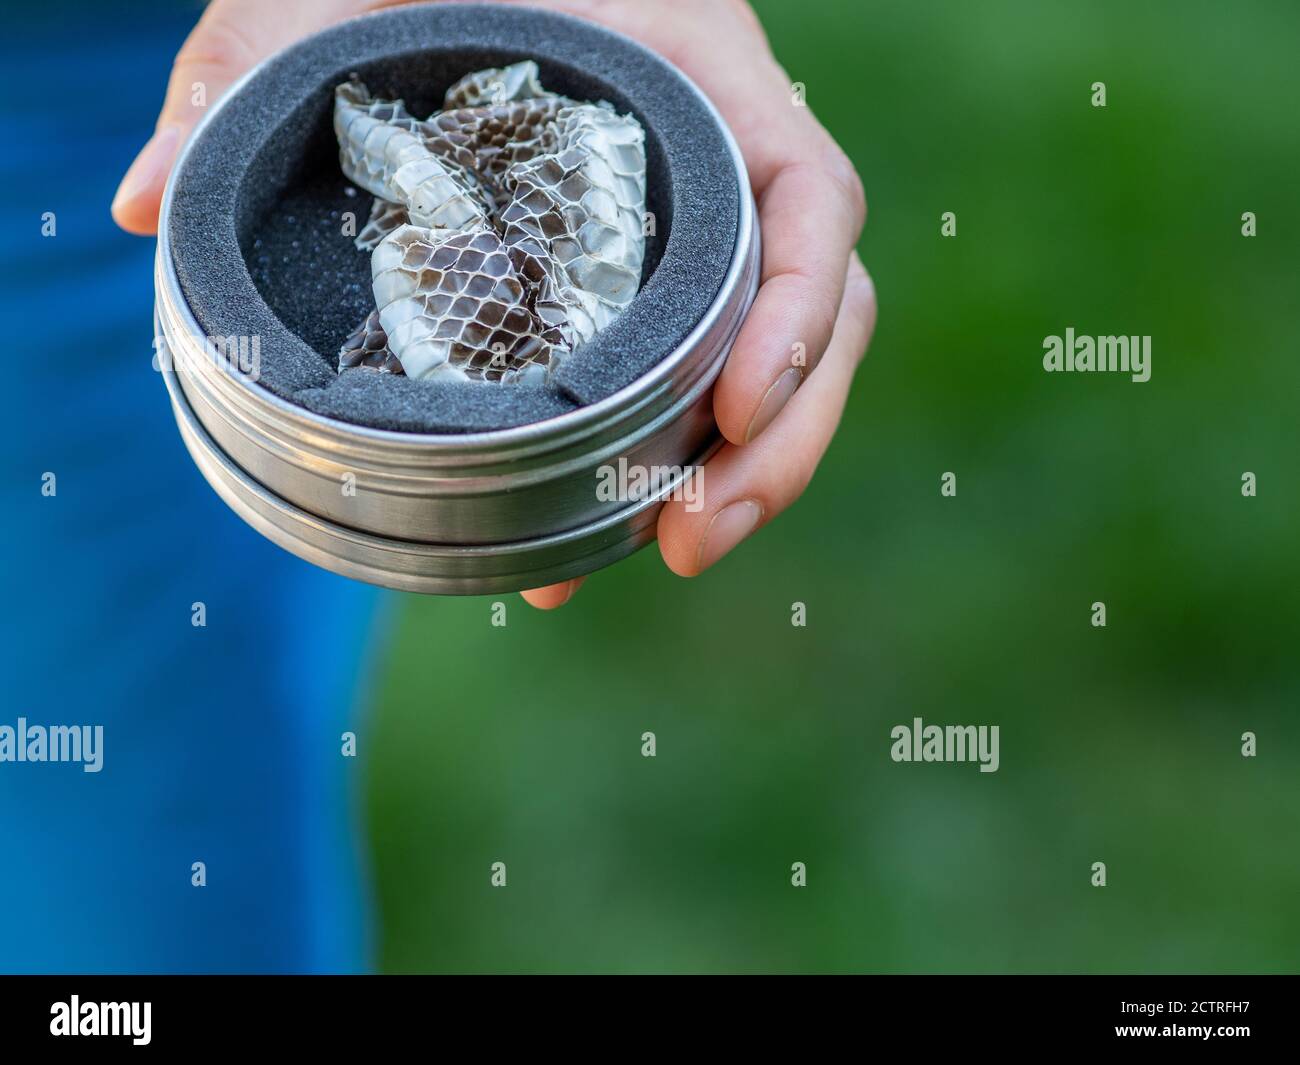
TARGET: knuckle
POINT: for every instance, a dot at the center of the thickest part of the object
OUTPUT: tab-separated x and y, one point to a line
821	307
217	41
844	175
859	307
859	289
800	478
795	476
747	14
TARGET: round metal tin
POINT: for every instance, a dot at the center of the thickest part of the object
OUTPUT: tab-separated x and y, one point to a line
469	513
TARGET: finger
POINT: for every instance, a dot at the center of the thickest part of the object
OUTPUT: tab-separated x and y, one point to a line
230	38
553	595
811	214
743	488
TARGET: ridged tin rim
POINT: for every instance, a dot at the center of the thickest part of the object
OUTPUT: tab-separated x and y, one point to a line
409	566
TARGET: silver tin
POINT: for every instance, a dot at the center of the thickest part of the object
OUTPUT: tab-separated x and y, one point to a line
461	514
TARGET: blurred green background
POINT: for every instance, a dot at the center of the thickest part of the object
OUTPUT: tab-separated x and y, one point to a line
522	744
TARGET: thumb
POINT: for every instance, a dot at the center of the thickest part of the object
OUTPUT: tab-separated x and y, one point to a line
230	38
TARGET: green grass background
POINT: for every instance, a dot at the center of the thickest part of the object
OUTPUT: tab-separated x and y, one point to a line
1119	745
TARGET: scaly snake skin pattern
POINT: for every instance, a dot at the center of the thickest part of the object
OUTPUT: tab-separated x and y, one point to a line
507	228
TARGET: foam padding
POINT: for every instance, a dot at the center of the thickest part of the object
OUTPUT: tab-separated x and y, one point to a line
257	219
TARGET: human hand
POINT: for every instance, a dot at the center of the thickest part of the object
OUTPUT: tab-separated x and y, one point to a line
816	306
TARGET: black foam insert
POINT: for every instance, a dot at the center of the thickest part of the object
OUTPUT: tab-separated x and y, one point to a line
256	224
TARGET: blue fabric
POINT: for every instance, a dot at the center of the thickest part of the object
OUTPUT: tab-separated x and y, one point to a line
221	743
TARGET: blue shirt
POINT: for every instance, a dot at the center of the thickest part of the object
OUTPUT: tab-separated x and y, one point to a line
221	742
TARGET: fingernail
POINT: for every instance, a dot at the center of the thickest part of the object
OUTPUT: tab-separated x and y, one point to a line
729	526
777	397
150	166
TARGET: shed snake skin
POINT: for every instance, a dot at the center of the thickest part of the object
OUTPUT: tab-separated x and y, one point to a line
507	228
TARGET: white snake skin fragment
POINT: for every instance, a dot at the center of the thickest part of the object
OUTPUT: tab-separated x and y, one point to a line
368	347
497	85
452	305
506	229
382	148
584	205
384	218
489	140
